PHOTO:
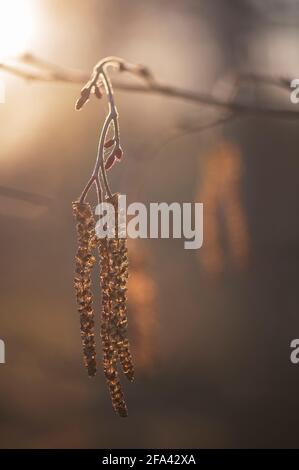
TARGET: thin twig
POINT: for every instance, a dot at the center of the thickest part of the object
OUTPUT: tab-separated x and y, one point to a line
151	86
280	82
100	78
32	198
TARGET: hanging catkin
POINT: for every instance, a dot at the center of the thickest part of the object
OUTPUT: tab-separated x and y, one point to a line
109	331
113	255
84	263
113	278
119	251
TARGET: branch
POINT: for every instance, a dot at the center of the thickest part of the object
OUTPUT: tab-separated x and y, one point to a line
280	82
219	121
32	68
100	80
32	198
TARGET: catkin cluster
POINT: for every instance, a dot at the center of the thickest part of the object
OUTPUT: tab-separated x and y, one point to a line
113	257
112	248
84	264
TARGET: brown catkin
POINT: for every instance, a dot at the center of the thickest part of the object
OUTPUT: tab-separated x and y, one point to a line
120	266
108	331
85	260
114	276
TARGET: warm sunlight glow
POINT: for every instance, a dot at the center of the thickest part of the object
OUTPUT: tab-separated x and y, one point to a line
16	26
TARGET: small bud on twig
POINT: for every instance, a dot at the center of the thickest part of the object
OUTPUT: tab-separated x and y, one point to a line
80	103
110	162
118	154
145	72
85	92
97	92
109	143
85	95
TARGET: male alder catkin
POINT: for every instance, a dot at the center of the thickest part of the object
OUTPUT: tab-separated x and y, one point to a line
84	263
112	253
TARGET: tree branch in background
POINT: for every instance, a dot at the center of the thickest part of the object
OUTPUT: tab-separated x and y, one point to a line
32	68
32	198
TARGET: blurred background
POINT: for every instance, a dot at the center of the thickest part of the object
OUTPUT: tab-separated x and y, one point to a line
211	329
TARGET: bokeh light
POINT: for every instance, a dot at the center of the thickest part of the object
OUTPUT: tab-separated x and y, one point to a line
17	22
